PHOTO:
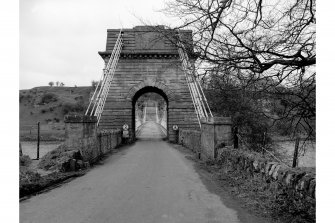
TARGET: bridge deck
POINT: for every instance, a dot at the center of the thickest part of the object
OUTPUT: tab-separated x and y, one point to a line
150	130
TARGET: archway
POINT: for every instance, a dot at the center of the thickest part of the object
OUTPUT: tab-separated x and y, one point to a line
150	107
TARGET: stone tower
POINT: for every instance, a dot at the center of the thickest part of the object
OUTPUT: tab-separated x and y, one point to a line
149	62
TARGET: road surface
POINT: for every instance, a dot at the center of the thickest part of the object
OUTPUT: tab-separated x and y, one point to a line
149	182
150	130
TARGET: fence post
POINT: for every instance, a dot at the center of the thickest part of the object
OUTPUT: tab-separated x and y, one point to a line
38	141
295	154
21	153
235	138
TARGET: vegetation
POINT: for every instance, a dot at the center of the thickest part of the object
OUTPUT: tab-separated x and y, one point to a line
94	83
25	160
48	97
73	107
52	125
256	61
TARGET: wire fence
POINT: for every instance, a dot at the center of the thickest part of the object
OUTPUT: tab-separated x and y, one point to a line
32	135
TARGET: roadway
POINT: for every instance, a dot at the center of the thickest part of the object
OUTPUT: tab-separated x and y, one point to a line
149	182
150	130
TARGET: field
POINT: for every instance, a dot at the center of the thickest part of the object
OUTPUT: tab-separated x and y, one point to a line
48	105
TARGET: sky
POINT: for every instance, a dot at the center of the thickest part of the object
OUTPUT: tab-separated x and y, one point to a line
60	39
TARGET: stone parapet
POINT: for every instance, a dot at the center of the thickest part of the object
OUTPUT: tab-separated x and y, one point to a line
215	131
81	134
190	139
301	181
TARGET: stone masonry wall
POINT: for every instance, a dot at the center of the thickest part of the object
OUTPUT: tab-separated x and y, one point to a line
109	140
300	181
190	139
148	62
81	134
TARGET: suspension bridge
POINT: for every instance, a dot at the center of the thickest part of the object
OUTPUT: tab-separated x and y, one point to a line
148	59
150	181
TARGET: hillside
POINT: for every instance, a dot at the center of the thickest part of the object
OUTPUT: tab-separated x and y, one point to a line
48	105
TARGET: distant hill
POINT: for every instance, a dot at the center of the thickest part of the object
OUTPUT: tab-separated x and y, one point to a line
48	105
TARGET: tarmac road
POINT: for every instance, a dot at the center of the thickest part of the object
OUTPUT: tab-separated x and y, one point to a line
149	182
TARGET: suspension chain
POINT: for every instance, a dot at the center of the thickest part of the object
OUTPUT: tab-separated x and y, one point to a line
98	99
199	100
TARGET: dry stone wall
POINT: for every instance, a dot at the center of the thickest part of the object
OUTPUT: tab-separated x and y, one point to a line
300	181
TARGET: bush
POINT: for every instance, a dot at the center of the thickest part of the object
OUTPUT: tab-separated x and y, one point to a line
24	97
73	107
48	97
43	111
283	127
25	160
244	109
28	176
21	97
54	159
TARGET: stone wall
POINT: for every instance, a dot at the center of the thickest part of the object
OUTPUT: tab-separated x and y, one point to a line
215	131
298	182
301	181
109	140
81	134
190	139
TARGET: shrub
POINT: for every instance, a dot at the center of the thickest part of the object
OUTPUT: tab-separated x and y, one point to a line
24	97
54	159
21	97
25	160
48	97
43	111
73	107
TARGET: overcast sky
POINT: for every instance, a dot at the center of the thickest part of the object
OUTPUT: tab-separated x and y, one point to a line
60	39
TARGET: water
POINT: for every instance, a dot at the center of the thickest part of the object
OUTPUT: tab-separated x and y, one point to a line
306	157
30	148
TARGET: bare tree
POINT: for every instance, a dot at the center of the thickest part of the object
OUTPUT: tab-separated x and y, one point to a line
57	83
61	84
262	47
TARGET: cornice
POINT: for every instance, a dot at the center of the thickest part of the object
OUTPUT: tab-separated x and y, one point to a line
144	55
